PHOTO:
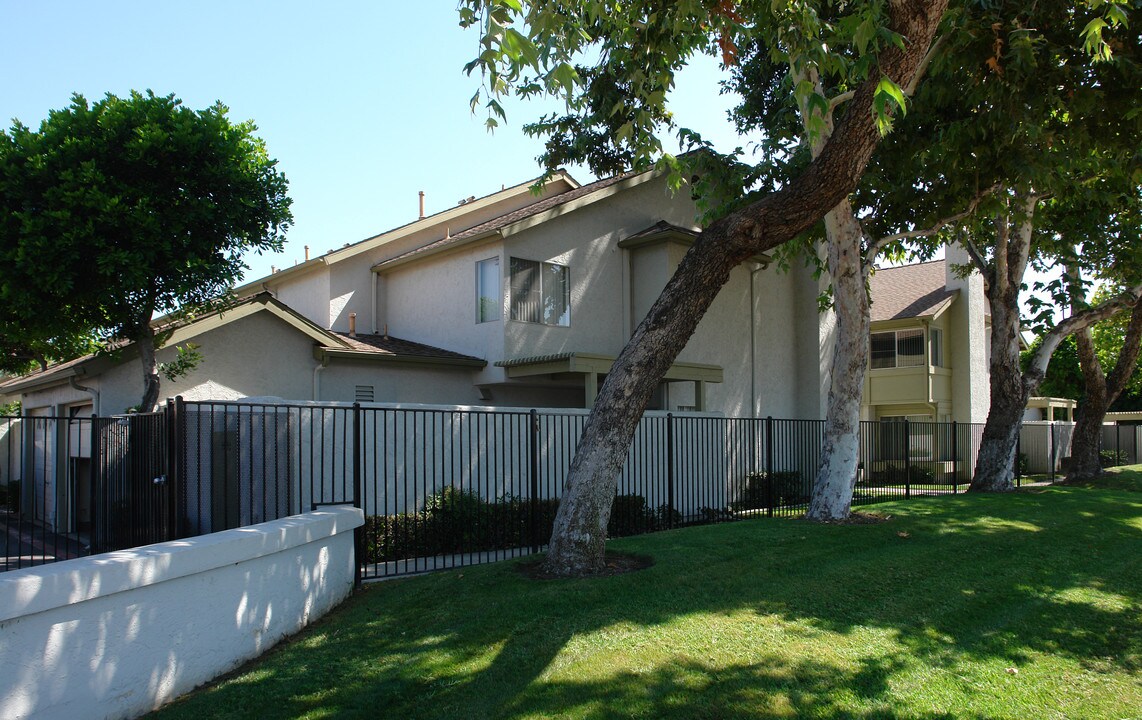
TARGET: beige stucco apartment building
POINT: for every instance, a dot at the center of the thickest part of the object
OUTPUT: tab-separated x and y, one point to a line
523	299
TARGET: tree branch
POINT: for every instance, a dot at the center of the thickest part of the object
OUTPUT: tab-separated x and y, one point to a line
940	224
922	70
1078	321
1127	357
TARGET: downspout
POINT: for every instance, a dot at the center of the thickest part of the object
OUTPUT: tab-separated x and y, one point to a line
754	269
92	391
376	281
317	380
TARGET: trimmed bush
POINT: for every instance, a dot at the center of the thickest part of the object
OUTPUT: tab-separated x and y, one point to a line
1113	458
788	488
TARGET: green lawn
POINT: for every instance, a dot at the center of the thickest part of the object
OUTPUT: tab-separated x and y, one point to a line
1027	605
1124	477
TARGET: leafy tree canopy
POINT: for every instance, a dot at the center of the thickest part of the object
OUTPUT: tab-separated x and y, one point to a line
117	210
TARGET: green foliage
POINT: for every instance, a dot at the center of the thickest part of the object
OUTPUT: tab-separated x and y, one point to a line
614	66
1113	458
781	488
117	210
1064	378
186	359
1014	102
460	521
12	409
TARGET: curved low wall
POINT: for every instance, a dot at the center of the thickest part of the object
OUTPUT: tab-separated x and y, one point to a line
119	634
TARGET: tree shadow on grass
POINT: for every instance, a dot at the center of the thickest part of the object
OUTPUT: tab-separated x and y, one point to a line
996	580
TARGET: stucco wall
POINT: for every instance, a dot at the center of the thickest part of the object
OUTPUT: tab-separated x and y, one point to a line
255	355
120	634
398	383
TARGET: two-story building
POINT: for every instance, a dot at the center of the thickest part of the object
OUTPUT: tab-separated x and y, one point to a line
524	298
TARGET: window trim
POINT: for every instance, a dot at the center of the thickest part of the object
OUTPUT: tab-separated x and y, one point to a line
542	266
497	297
896	348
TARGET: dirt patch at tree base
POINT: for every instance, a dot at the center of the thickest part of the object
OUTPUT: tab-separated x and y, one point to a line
856	518
614	563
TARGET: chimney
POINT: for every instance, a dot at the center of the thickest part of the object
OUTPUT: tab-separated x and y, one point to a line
307	253
386	331
352	324
421	204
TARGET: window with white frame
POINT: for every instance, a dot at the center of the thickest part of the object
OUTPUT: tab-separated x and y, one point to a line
489	304
540	292
897	348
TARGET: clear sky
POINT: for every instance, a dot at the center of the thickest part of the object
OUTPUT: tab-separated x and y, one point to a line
362	103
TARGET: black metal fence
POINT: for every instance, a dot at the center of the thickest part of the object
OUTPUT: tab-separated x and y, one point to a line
445	488
439	488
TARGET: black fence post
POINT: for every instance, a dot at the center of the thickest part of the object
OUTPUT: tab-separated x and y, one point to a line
907	460
359	533
1051	450
533	477
1018	455
955	457
96	476
670	469
769	465
1117	444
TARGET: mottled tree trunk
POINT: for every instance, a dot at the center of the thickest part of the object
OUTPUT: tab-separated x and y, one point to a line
1100	392
145	339
840	453
995	465
578	539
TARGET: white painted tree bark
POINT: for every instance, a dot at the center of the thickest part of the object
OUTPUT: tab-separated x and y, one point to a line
840	452
1010	387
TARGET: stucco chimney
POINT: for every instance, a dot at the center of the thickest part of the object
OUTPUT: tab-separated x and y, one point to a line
421	204
307	252
352	324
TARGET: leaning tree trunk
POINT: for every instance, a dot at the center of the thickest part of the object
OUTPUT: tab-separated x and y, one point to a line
578	538
145	340
840	453
1100	392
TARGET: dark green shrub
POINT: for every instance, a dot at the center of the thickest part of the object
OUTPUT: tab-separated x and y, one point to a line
788	488
458	521
1024	467
1113	458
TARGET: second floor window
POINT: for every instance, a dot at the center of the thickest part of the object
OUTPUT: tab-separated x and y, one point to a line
897	348
488	298
540	292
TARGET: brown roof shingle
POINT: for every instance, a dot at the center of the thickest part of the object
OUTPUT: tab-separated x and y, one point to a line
909	291
395	347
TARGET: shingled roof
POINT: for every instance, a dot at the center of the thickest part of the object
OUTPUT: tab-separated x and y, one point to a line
395	348
909	291
503	221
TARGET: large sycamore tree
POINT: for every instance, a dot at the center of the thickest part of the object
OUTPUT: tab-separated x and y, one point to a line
115	211
1031	104
615	63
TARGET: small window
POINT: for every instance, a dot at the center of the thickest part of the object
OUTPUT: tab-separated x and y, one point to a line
540	292
489	302
883	349
363	393
892	349
909	348
937	343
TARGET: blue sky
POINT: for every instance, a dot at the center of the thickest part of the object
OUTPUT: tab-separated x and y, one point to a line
362	103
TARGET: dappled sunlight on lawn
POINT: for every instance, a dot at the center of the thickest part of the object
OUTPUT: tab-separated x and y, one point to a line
1012	606
983	525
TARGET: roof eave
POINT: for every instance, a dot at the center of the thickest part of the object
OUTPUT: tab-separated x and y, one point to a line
325	354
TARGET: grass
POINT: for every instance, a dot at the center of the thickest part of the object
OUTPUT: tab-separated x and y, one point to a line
1025	605
1123	477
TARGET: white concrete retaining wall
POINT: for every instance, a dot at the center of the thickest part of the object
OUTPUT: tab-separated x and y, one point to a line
119	634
